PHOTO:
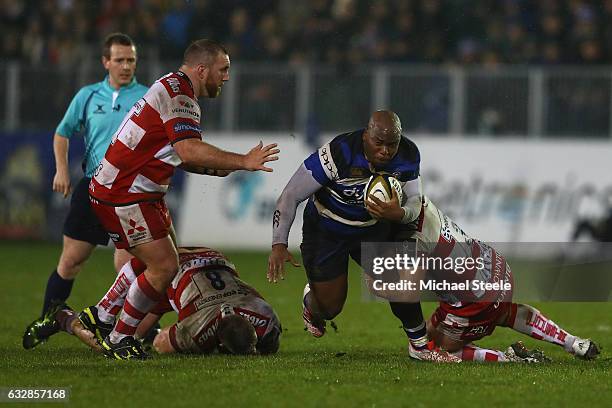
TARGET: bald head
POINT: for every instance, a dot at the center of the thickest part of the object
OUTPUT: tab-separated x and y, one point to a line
385	122
382	137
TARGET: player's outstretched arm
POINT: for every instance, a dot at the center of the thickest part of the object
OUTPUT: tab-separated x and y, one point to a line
206	171
61	180
301	186
85	335
194	152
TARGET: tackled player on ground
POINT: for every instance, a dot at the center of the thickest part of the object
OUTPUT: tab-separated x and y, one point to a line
216	310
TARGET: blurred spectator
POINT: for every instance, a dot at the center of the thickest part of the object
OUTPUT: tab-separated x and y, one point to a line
330	31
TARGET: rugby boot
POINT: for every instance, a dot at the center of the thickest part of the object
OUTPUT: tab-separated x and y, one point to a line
314	326
42	328
89	318
127	349
432	354
585	349
147	340
519	353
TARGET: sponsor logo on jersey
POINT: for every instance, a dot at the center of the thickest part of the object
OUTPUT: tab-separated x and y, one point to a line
174	84
99	109
186	104
136	232
139	106
354	195
215	299
254	320
186	127
187	111
207	333
328	163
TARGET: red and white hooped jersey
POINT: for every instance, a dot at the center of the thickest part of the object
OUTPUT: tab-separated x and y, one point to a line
206	282
438	236
140	160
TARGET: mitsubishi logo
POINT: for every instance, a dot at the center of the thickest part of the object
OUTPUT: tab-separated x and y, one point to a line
138	228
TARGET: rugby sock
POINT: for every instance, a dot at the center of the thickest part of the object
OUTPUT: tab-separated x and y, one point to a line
141	298
472	352
110	305
58	289
411	317
530	321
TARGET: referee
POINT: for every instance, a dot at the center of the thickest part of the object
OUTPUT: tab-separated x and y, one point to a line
95	113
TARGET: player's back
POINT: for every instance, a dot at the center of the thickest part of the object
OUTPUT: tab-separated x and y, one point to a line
455	257
140	160
206	283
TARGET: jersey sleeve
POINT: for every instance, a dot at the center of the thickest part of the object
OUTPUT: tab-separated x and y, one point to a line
173	338
324	163
181	339
179	113
72	121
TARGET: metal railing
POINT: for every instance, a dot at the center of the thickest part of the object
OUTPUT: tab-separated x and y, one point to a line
506	101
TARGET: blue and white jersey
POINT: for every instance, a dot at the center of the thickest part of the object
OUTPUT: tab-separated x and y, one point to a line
96	111
341	168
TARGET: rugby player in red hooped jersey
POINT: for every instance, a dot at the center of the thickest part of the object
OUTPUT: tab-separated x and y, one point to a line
465	316
161	131
216	309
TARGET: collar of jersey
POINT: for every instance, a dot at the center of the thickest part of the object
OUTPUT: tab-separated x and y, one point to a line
108	87
184	75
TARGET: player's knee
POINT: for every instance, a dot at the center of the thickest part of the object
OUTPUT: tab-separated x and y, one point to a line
167	267
69	266
68	272
120	258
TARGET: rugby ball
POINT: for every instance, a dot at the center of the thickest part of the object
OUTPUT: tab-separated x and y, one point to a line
381	187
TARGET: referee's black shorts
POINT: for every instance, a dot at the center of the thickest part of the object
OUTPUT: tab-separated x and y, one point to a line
81	223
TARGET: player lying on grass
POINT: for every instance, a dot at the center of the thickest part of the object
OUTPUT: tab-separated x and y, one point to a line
465	316
216	310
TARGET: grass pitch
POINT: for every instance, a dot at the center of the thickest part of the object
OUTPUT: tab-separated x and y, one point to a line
364	364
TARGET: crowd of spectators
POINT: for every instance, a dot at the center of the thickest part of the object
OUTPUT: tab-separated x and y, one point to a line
329	31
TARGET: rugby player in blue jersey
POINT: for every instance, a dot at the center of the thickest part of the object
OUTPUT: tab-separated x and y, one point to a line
337	220
95	113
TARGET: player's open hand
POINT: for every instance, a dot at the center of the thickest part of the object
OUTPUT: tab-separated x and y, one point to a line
260	155
61	183
276	262
390	211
